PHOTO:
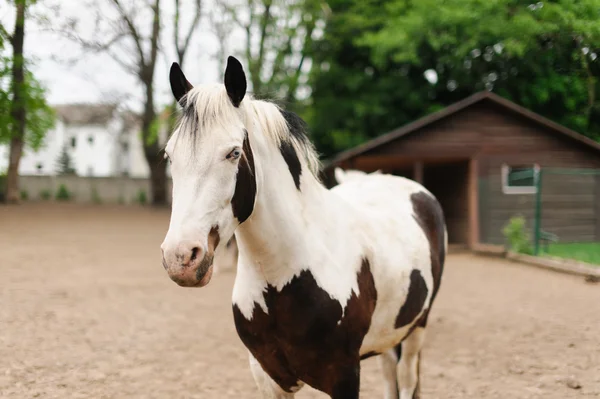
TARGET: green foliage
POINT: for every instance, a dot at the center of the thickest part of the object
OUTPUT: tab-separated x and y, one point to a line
63	193
516	235
40	117
45	194
284	32
153	132
141	197
24	195
368	68
588	252
96	199
64	164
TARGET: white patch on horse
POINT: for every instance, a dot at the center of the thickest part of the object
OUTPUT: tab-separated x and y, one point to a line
342	176
393	248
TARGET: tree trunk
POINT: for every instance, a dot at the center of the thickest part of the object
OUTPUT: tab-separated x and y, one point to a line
17	111
153	151
158	177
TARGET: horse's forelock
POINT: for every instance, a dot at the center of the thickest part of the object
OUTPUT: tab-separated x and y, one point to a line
207	106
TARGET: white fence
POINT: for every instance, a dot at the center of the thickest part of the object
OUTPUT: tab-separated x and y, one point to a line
124	190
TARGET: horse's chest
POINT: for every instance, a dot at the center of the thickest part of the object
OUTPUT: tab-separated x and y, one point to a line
304	331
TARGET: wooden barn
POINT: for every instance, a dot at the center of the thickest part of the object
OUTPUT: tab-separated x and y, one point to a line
466	155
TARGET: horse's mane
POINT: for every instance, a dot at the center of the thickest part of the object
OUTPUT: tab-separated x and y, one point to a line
208	105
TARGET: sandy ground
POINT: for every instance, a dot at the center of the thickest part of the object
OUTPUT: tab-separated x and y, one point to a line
87	311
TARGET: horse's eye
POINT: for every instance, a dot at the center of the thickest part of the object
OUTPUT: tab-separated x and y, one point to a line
234	154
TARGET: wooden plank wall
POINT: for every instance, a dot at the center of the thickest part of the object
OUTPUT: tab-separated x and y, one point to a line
569	208
494	135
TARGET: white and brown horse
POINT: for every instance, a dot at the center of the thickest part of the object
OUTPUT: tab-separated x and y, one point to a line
343	176
325	278
226	258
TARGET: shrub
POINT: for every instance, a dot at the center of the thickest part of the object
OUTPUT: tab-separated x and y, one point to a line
516	235
63	193
45	194
24	195
141	197
96	196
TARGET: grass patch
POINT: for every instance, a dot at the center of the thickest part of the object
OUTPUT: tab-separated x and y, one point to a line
588	252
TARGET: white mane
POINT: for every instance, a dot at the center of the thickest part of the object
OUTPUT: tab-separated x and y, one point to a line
212	107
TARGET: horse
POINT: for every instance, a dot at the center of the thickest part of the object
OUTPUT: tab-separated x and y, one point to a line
350	174
226	259
325	278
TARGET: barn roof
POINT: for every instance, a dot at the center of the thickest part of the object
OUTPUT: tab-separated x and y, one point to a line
453	109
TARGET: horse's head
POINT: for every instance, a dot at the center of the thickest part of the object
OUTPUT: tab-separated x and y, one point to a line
212	166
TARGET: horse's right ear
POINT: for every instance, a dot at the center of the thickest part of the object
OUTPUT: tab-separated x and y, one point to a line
339	175
179	84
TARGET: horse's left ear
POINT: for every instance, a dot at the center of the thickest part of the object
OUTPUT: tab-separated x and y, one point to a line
179	84
235	81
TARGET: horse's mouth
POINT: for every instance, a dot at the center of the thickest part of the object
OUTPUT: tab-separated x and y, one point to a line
190	280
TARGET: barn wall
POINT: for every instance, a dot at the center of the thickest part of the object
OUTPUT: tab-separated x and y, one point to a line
495	135
488	129
449	184
569	206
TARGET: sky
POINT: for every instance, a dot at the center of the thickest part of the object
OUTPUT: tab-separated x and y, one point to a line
96	77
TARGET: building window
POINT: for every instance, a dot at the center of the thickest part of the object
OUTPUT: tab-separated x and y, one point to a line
125	146
91	140
73	142
90	171
39	167
520	179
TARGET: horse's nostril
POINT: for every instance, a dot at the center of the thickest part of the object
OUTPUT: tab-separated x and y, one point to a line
194	254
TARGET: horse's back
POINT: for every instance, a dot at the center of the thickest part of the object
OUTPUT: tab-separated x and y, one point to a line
407	240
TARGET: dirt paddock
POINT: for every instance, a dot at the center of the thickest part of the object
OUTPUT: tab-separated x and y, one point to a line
87	311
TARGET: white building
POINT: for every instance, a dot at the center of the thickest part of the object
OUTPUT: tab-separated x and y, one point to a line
100	140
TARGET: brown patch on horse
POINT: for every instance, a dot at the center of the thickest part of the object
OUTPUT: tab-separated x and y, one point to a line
300	337
207	260
244	195
369	355
415	300
429	215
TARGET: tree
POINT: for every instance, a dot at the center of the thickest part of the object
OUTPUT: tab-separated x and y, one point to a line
370	67
278	36
64	165
133	40
221	22
181	42
130	32
25	116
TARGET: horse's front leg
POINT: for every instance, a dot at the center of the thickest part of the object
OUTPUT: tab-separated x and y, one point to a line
268	388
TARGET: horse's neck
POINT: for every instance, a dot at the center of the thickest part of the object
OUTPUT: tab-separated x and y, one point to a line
287	228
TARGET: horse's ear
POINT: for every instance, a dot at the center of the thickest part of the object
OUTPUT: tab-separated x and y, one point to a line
179	84
339	175
235	81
